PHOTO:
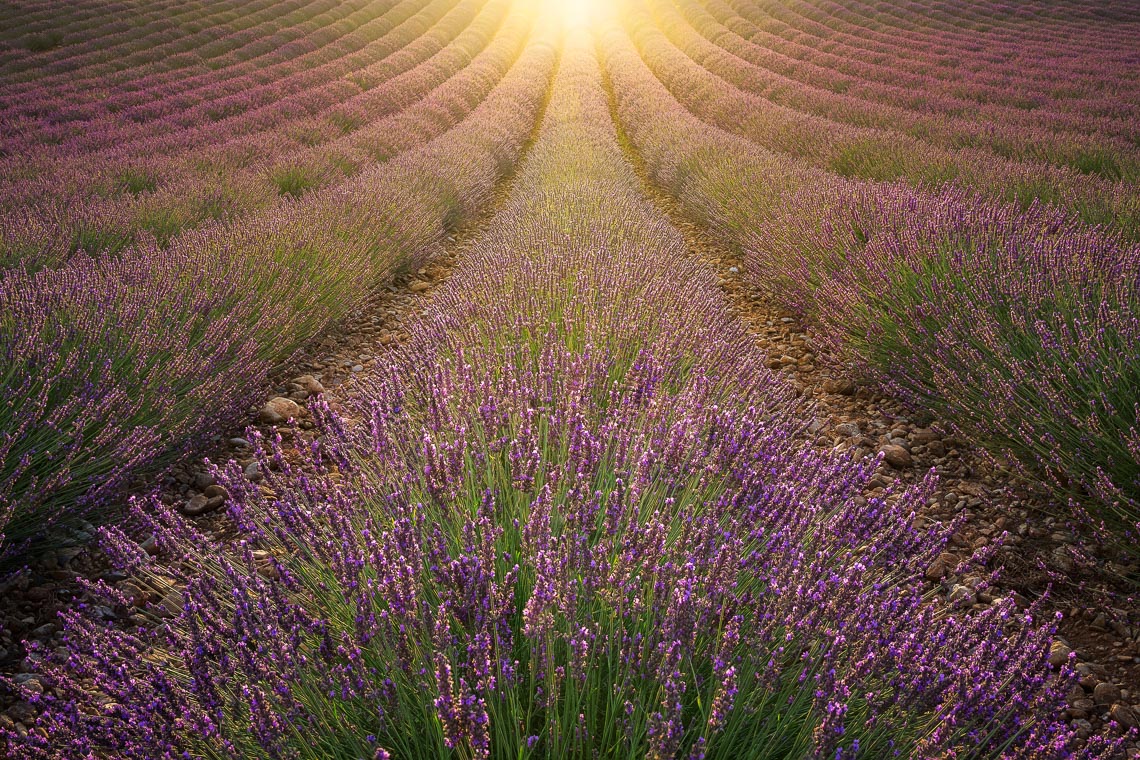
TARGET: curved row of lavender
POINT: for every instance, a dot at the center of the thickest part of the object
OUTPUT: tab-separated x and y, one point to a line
984	56
190	166
1021	326
835	78
114	366
143	117
869	152
168	71
571	519
1016	133
101	200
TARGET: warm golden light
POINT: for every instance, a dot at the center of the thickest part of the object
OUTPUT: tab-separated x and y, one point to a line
578	13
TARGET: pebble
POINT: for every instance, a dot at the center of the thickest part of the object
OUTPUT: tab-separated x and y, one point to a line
43	631
240	442
962	595
848	430
150	545
310	384
195	505
21	711
923	436
1059	653
1124	715
418	286
942	564
897	457
279	409
171	604
1080	708
202	504
841	386
1106	693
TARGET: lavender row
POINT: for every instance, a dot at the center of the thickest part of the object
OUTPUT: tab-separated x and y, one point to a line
52	31
865	78
572	519
248	175
263	34
837	61
874	32
165	39
124	58
1021	328
261	104
875	154
113	366
317	70
918	288
1014	134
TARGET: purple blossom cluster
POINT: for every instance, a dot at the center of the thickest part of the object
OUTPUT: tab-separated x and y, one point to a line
114	365
572	517
1019	325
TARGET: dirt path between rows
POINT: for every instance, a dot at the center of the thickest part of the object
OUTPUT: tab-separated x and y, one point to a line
1040	556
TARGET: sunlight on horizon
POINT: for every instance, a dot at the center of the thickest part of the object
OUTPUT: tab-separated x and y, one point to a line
578	13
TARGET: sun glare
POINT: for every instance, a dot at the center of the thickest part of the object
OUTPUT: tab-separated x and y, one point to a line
578	12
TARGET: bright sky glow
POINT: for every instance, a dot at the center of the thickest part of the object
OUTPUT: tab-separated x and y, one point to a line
578	13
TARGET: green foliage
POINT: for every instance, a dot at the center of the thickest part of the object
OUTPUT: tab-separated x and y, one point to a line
294	181
136	181
39	43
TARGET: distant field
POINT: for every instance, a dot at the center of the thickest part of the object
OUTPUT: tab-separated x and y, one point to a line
569	379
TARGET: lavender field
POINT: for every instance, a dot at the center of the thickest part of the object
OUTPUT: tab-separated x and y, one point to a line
594	379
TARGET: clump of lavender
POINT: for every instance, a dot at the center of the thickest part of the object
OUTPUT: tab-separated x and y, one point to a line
572	519
1019	327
